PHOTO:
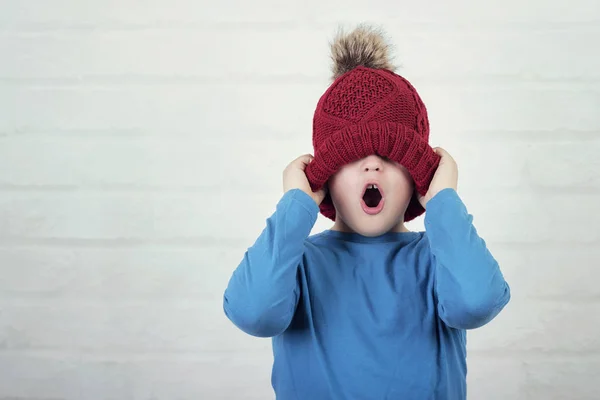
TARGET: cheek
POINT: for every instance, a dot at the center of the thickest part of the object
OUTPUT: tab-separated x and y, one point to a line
408	182
406	178
338	189
404	186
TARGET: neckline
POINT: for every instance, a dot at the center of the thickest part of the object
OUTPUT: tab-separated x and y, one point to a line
402	237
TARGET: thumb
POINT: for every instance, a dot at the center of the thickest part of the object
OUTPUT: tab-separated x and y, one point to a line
304	160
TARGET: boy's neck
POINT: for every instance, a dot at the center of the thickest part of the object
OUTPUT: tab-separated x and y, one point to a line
341	226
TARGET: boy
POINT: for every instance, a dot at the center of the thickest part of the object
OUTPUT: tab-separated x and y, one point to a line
368	309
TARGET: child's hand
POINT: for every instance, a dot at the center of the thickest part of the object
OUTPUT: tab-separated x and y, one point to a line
294	177
446	176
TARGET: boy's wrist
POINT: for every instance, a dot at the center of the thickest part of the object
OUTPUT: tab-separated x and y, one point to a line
304	199
443	206
438	198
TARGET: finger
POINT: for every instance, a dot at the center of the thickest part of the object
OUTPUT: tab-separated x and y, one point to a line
441	152
305	159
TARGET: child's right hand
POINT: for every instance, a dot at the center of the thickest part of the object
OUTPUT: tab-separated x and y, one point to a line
294	177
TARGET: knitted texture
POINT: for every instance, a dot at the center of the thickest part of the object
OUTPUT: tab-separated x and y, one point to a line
371	111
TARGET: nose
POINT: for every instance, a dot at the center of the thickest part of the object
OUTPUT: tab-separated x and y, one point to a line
372	163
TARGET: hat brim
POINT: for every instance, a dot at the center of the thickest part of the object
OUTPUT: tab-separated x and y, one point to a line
387	139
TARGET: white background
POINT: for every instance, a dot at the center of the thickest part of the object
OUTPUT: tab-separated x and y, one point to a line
141	150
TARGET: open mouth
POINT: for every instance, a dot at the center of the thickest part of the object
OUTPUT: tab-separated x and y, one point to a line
372	196
372	201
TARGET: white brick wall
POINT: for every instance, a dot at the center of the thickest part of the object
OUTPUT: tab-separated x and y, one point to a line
141	149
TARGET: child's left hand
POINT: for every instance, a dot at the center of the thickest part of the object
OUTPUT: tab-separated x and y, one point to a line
446	176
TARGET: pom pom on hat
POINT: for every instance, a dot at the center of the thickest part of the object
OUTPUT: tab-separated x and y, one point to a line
364	46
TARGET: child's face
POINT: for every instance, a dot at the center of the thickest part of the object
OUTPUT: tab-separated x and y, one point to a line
371	212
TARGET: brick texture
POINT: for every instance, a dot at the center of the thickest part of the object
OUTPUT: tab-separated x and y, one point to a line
141	150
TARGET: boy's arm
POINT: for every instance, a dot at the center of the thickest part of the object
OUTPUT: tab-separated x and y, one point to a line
470	287
263	291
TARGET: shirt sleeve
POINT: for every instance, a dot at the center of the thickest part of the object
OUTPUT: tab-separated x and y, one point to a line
263	291
469	284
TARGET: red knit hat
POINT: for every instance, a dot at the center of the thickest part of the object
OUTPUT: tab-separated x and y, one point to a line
369	109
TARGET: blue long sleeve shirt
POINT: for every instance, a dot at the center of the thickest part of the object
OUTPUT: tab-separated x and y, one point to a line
355	317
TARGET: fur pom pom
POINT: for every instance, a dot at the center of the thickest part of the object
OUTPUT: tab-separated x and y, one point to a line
364	46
